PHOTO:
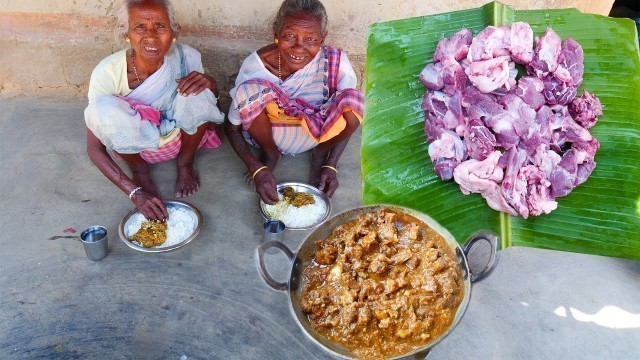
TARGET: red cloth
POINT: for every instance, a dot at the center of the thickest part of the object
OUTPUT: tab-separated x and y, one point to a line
170	150
147	112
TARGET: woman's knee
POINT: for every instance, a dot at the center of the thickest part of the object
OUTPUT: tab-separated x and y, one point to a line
260	126
200	130
352	122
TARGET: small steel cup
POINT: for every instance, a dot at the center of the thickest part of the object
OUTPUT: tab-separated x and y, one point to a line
95	241
273	231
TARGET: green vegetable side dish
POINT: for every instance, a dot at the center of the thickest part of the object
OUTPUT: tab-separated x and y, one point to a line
599	217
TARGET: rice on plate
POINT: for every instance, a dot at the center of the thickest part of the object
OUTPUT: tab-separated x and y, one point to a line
297	217
180	225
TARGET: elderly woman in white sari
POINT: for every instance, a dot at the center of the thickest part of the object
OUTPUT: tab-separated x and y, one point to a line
150	103
294	95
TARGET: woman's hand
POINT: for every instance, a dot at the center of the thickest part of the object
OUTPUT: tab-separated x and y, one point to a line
266	186
328	181
150	206
195	83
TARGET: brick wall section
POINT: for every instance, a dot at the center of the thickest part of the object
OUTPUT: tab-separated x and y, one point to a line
53	54
50	49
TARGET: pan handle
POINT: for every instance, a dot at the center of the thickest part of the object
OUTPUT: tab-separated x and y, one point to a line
263	269
492	239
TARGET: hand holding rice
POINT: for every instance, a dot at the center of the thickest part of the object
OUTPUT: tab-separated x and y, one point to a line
180	224
296	209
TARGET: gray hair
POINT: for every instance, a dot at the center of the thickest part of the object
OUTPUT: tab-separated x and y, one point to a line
122	16
293	7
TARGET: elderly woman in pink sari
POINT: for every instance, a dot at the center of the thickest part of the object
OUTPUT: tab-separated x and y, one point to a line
294	95
150	103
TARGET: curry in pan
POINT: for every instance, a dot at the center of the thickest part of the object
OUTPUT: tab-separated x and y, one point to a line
382	285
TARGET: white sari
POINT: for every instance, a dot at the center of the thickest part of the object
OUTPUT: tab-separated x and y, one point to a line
120	128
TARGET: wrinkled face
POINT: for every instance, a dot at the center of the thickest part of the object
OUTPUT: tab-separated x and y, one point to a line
300	40
150	30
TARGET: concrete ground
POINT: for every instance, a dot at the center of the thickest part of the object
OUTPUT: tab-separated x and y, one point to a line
206	300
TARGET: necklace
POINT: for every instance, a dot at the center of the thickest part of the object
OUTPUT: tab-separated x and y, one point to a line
135	71
279	68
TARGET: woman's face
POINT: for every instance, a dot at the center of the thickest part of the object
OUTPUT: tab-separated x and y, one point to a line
300	40
150	30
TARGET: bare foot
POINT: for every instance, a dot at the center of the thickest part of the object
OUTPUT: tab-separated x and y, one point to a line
142	177
188	181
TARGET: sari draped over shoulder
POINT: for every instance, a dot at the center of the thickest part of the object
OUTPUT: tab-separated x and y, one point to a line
310	95
141	120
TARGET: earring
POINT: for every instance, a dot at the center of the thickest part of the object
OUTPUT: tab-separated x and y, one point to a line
275	41
174	39
128	40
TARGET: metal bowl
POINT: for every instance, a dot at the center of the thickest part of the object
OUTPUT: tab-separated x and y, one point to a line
303	188
168	203
295	283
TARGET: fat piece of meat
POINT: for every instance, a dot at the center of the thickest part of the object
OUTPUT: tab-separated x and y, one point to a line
490	43
521	44
475	176
546	160
455	47
545	59
447	152
483	177
539	199
489	75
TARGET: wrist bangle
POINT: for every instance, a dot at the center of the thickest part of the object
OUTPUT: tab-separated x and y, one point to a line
133	192
329	167
257	171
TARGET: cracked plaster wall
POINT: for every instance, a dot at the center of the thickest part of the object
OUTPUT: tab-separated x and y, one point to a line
50	47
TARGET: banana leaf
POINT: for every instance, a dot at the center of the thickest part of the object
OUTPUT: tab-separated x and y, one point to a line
599	217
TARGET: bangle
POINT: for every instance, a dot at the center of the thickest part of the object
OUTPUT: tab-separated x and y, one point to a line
257	171
133	192
329	167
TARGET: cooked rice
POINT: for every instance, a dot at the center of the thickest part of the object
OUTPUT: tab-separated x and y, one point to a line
180	225
297	217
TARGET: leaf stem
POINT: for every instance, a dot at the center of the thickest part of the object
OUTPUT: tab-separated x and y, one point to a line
505	230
